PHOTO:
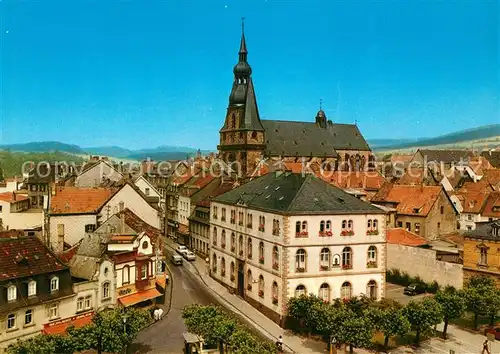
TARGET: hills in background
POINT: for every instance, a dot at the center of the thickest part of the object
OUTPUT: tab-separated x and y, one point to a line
481	137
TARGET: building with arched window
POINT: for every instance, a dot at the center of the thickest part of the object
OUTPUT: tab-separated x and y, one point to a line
311	253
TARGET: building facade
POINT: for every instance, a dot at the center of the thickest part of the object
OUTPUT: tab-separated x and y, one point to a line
284	234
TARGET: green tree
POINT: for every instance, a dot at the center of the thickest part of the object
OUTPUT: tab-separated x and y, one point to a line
300	311
352	329
453	304
479	295
390	321
423	316
243	342
43	344
209	322
492	297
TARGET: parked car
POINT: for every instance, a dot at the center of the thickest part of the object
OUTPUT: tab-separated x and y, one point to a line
182	249
190	256
493	330
176	259
414	289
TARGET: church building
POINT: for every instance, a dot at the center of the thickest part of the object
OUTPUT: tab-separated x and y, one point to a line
247	140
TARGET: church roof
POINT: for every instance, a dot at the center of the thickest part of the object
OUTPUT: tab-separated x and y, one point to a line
295	193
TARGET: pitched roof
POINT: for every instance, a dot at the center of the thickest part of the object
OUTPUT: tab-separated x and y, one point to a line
492	176
294	193
26	256
473	201
74	200
404	237
364	179
138	225
11	197
410	200
415	176
485	231
224	187
446	156
492	207
493	157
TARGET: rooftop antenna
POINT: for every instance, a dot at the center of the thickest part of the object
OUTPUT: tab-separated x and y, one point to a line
320	103
243	25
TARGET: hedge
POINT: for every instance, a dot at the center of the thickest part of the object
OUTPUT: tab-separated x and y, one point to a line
402	278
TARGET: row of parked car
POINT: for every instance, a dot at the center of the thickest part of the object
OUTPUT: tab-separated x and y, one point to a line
182	252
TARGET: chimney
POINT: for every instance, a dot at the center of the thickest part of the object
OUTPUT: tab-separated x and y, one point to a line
122	220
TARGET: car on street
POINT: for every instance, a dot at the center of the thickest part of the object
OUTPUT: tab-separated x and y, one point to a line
414	289
190	256
493	330
176	259
181	249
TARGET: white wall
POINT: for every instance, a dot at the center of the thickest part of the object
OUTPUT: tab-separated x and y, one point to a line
143	184
184	207
10	186
74	227
94	176
133	201
103	277
20	220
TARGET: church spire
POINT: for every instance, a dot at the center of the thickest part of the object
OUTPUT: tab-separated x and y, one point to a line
243	45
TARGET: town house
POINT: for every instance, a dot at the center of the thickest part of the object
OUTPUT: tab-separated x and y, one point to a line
287	234
15	212
97	171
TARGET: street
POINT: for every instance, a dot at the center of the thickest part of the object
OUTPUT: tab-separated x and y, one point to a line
395	292
166	335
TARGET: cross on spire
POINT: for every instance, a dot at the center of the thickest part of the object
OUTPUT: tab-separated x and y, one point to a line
243	25
320	103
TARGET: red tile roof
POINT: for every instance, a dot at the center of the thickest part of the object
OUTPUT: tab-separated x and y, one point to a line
74	200
404	237
11	197
411	200
363	180
183	229
26	256
70	253
59	327
133	299
492	207
472	201
139	225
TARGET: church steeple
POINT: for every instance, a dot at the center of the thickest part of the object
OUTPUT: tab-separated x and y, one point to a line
243	45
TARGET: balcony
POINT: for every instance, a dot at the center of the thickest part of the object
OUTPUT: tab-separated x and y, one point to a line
346	266
142	284
371	264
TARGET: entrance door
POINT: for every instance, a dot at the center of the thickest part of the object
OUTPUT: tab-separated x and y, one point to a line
241	280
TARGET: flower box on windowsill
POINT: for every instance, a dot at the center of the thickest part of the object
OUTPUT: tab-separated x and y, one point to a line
261	260
223	245
241	253
302	234
261	293
276	232
275	301
324	267
261	228
249	287
347	266
372	232
233	249
276	266
325	233
240	223
371	264
223	218
232	277
300	270
347	233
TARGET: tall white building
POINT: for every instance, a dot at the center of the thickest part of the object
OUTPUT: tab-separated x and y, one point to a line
286	234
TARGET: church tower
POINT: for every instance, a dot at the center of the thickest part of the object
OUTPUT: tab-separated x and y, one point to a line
242	137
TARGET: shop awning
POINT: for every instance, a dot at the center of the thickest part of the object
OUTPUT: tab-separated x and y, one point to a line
59	327
161	280
133	299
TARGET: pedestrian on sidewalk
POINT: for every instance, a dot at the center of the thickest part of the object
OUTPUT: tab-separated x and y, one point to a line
485	347
279	344
155	314
160	313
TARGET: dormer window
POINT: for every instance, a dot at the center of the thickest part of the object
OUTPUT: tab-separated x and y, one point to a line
11	293
54	284
32	288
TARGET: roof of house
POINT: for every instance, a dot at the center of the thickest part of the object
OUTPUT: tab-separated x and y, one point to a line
415	176
410	200
266	166
446	156
26	256
74	200
473	202
404	237
368	180
224	187
42	173
138	225
485	231
492	207
493	157
295	193
12	197
493	177
402	160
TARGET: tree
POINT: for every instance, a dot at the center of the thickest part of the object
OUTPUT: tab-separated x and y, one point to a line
300	311
479	295
453	304
352	329
492	297
390	321
243	342
423	315
209	322
43	344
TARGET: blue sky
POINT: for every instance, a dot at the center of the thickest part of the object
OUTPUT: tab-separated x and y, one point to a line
142	74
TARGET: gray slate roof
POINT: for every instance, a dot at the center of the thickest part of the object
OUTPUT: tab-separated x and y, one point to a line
290	138
493	158
294	193
484	231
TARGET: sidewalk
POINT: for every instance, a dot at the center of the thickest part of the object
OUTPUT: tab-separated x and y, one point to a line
268	328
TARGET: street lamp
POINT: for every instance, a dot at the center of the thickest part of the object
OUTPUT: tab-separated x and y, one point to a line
124	319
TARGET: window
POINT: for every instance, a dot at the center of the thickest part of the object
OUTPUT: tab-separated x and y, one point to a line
344	224
324	262
11	321
347	258
276	258
304	226
350	225
300	290
372	290
469	228
322	226
346	290
300	260
88	302
417	228
144	272
28	317
215	212
261	252
126	274
240	218
233	216
297	227
372	257
11	293
54	310
249	280
223	217
105	291
89	228
400	224
469	217
223	239
276	227
249	248
233	242
231	269
369	226
483	257
79	304
249	221
408	226
214	241
214	263
262	223
145	244
375	225
328	225
223	267
261	286
442	210
32	288
324	292
146	191
275	292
